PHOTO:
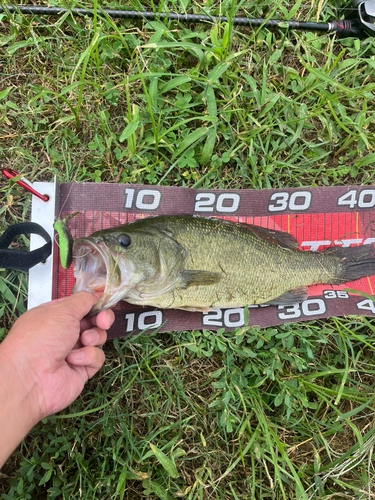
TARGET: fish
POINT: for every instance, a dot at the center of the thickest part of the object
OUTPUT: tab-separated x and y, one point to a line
200	264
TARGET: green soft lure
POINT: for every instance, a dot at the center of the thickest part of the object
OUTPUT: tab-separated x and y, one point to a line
65	241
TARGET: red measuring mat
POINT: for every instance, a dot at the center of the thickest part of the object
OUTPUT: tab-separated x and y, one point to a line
317	217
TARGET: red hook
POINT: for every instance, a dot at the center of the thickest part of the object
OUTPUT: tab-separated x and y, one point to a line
10	173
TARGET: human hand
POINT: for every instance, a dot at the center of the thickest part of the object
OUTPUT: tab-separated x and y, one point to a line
50	357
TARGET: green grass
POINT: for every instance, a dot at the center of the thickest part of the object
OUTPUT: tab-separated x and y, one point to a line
283	413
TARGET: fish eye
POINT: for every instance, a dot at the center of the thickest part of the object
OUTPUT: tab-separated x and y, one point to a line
124	240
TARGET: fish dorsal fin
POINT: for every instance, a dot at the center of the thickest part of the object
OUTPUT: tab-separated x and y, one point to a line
290	297
278	238
196	278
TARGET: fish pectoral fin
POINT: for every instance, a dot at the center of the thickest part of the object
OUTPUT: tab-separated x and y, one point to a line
290	297
197	278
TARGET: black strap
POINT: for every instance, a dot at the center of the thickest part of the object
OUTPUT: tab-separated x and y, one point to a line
19	259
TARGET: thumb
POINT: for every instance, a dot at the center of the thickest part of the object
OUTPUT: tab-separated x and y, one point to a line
79	304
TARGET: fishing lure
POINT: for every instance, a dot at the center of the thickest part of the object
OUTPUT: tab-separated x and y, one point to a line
65	240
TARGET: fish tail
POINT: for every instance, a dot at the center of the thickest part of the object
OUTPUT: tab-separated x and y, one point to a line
353	263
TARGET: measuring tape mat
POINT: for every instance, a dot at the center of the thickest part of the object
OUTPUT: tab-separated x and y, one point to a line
318	217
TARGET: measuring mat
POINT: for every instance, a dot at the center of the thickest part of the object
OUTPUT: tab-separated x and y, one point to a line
317	217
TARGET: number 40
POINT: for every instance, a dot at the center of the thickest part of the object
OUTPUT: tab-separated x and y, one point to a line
366	199
366	305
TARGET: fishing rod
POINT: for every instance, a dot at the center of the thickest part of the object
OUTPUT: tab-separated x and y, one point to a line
361	25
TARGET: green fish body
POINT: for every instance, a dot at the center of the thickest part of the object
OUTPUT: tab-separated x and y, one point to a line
199	264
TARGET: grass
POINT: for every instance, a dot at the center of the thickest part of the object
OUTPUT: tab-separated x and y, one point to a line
283	413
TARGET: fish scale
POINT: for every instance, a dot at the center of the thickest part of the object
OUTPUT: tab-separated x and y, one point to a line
254	270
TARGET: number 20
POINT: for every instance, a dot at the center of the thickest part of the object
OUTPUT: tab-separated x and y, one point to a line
230	318
224	203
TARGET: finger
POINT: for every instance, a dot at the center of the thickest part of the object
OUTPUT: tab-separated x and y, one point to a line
103	320
79	304
54	301
92	358
94	337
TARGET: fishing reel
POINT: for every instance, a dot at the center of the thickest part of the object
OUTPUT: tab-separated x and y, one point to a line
366	15
360	22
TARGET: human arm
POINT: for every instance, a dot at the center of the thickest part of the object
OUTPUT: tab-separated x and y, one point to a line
45	362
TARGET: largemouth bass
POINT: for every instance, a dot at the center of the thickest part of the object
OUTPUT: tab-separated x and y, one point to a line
199	264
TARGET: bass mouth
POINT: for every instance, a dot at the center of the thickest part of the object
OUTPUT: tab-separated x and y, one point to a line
96	270
90	265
